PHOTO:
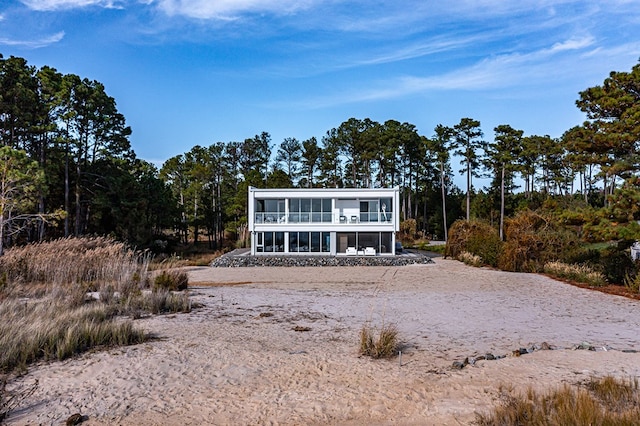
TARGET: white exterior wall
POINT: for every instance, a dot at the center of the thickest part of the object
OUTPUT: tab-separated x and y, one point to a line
345	203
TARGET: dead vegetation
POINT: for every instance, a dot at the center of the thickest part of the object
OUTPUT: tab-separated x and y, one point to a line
61	298
381	342
606	401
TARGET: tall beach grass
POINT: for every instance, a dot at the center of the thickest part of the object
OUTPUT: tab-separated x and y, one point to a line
48	330
46	312
70	264
605	401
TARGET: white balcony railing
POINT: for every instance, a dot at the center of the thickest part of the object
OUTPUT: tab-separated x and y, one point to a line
298	218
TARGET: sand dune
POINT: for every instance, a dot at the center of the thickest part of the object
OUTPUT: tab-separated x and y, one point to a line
238	359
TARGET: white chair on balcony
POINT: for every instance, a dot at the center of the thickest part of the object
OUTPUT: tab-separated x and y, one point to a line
369	251
351	251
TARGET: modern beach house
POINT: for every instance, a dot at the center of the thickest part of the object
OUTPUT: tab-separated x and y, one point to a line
330	222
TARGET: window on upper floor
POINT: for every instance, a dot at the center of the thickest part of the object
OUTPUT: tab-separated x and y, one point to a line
304	210
269	211
377	210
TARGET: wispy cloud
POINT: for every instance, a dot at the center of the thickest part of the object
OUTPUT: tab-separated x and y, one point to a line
33	44
424	48
573	44
559	63
229	9
48	5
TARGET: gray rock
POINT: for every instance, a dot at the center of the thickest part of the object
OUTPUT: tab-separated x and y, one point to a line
457	365
234	261
75	419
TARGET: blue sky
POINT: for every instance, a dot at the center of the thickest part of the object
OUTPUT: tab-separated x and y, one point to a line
194	72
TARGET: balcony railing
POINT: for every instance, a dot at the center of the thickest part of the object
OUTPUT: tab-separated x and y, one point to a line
297	218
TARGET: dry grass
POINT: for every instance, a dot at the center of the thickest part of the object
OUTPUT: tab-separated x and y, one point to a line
532	240
49	330
606	401
579	273
188	259
379	343
64	321
156	302
171	280
73	263
470	259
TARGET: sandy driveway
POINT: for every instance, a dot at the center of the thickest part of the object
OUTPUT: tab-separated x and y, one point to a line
238	359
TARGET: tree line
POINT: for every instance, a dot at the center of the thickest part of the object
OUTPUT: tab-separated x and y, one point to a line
86	178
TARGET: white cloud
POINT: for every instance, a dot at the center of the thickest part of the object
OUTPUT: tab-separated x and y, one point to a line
424	48
47	5
229	9
573	44
569	61
33	44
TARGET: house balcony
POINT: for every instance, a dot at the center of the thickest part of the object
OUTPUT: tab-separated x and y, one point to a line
278	218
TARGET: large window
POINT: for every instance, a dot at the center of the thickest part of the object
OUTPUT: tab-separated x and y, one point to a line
270	242
269	211
369	211
369	239
313	242
376	210
304	210
344	240
380	241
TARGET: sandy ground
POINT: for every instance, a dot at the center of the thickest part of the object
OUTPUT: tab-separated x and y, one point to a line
238	359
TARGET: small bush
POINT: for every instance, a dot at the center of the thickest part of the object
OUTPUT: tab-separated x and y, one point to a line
157	302
582	256
532	240
171	280
408	230
579	273
632	283
601	402
382	343
470	259
476	237
616	264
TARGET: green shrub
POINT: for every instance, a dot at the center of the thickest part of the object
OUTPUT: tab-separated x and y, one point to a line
476	237
171	280
616	264
582	256
632	283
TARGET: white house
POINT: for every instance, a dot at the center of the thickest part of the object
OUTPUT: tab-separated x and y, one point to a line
324	221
